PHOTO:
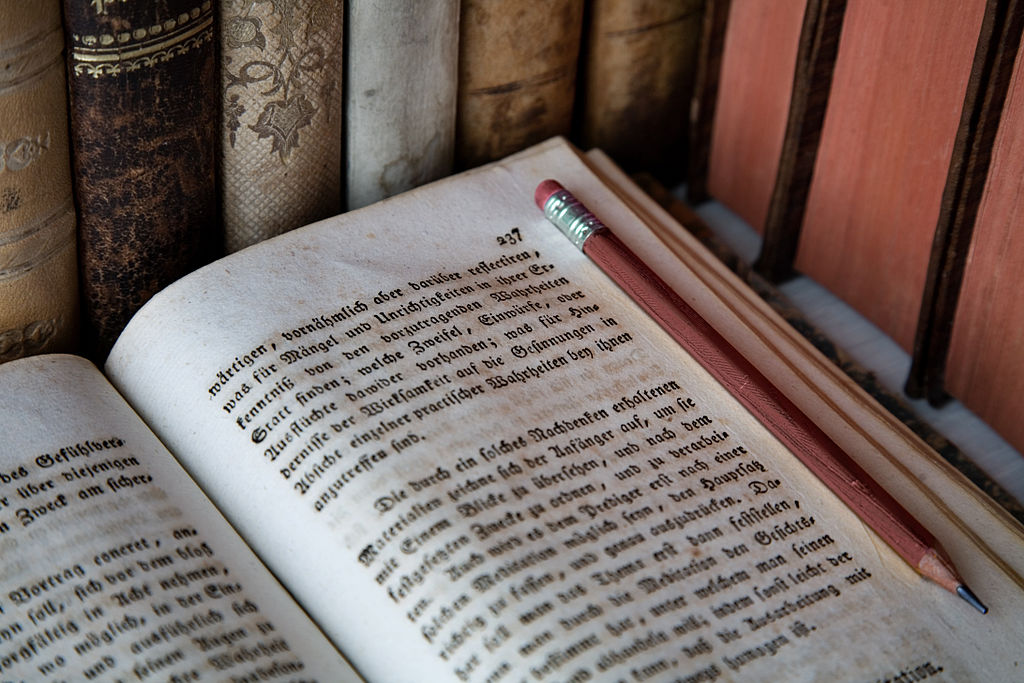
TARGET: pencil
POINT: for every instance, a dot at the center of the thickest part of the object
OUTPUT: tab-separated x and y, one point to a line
826	460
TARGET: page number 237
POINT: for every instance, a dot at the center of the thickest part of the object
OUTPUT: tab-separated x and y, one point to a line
509	238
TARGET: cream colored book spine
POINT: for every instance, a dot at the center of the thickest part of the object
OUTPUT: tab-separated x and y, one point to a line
401	66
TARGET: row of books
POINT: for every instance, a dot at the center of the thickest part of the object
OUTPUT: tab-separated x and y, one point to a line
877	147
874	146
139	141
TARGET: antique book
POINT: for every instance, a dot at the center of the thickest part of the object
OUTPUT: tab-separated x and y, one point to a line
281	134
38	266
143	110
401	69
887	144
759	46
982	366
638	63
764	86
812	84
466	455
750	102
517	75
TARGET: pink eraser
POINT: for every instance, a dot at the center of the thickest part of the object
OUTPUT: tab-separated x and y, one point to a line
546	189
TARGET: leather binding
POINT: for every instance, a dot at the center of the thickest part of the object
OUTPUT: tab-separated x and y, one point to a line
142	81
38	270
517	75
637	70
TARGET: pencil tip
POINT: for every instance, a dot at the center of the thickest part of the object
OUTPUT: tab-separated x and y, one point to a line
966	593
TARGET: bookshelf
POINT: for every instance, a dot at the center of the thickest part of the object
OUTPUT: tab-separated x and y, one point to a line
617	69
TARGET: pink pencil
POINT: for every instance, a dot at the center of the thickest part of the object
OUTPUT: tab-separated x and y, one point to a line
840	473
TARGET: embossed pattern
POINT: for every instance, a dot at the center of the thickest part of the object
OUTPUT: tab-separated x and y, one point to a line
281	116
143	121
120	49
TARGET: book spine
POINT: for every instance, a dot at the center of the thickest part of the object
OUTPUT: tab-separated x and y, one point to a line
980	136
281	120
759	47
637	80
812	82
968	342
38	269
517	75
143	106
401	69
884	155
710	49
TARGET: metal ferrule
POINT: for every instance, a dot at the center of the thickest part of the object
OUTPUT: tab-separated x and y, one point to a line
571	217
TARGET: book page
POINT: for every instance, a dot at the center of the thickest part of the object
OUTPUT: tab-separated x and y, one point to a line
113	566
471	458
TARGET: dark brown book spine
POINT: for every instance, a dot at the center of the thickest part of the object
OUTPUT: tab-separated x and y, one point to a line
705	95
143	93
638	65
812	80
991	76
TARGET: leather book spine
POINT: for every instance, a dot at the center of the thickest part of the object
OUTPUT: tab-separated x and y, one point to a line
38	269
637	73
517	75
143	101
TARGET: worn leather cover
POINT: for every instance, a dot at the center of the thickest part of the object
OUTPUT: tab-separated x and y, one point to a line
38	272
142	79
637	73
517	75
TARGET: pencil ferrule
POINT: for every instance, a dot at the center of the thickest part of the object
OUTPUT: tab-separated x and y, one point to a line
570	216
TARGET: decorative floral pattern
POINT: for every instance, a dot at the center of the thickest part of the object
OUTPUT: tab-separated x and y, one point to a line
233	111
281	121
242	32
274	71
115	65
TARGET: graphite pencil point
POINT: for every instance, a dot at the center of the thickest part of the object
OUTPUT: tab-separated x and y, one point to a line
968	595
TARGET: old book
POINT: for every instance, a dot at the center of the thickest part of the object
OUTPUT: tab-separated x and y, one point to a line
887	144
750	102
115	565
143	101
812	84
764	84
401	70
281	132
38	266
982	365
517	75
636	81
466	456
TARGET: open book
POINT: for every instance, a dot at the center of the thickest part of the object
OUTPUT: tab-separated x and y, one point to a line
430	440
